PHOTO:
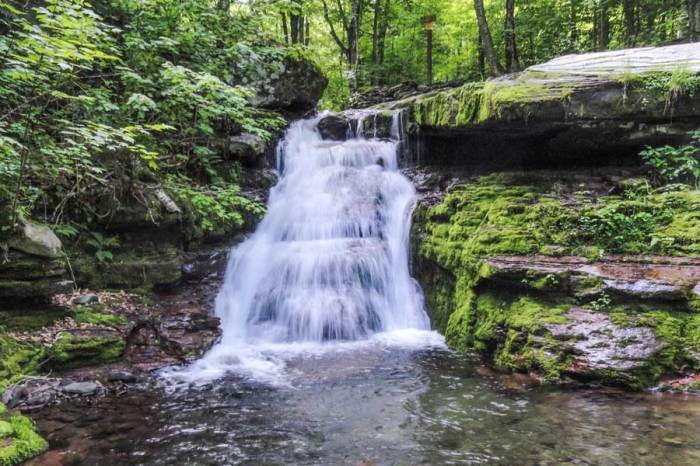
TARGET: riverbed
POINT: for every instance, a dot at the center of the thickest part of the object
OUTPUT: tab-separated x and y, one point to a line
375	405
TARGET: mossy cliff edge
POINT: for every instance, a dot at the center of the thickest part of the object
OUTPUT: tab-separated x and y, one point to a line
548	273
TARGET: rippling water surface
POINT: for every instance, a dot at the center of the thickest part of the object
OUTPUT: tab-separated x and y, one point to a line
381	405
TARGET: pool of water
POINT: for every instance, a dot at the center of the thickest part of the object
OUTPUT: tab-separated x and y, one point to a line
376	405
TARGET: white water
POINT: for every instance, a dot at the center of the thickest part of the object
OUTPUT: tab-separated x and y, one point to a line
327	268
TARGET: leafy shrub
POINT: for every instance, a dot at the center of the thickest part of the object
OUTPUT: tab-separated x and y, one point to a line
670	164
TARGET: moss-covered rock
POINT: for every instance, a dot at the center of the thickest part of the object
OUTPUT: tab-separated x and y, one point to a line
19	440
500	260
77	348
18	359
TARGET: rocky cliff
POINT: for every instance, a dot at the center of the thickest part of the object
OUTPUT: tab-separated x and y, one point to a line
539	240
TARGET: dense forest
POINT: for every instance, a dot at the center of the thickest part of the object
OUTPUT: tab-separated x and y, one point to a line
152	80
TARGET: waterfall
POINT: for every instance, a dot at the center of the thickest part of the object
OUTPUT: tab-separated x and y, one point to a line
329	261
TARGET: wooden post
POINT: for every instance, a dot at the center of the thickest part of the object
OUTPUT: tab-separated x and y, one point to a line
428	24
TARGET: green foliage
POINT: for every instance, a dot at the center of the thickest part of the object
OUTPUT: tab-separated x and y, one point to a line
102	244
19	440
87	104
215	207
670	164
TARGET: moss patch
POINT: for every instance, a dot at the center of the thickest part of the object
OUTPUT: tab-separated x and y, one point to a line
87	315
71	351
512	214
18	359
19	440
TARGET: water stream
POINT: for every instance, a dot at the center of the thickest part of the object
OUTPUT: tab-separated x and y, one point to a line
328	265
327	357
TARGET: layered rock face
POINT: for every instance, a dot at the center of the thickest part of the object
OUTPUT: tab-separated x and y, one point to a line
565	275
580	110
584	272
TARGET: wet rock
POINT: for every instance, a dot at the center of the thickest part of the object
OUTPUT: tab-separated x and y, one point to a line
122	376
599	345
81	388
673	441
30	276
576	110
334	127
86	299
36	239
249	148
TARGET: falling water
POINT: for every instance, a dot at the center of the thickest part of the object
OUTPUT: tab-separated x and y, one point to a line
329	262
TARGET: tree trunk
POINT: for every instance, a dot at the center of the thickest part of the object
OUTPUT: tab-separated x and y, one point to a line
285	30
628	10
486	39
694	19
382	30
375	40
482	59
603	25
511	49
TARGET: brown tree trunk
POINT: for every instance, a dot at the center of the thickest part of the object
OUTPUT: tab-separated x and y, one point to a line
603	25
285	30
486	39
628	10
481	60
694	19
382	30
511	49
375	40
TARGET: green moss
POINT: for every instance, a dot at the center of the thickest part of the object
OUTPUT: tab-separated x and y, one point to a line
30	320
86	315
511	214
476	103
19	440
71	351
18	359
502	214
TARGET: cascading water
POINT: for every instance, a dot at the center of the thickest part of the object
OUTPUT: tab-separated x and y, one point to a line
329	262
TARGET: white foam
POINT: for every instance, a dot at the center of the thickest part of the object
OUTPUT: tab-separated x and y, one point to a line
327	269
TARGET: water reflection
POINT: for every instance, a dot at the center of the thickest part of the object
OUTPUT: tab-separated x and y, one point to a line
382	407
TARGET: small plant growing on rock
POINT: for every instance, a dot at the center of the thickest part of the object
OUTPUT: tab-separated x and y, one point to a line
102	245
670	164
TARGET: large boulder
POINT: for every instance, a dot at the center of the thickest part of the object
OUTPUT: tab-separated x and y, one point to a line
296	87
35	239
248	148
